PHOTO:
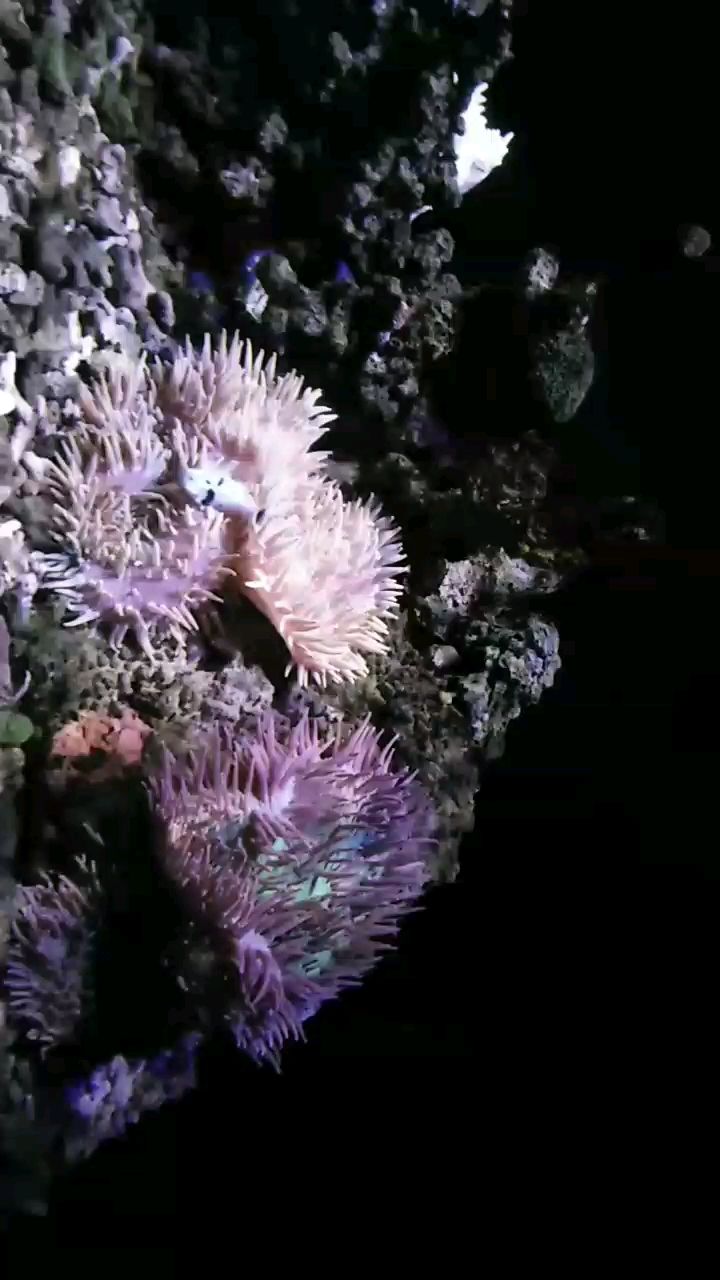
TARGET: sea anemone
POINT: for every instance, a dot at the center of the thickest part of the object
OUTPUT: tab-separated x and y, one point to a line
323	570
130	556
326	575
296	852
236	403
48	974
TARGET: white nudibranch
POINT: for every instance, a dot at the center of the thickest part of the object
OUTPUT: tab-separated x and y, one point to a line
210	486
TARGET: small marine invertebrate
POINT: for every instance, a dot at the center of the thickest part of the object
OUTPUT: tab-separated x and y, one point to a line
118	741
297	853
14	559
213	485
48	972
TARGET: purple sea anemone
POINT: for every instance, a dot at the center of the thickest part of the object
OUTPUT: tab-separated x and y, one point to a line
48	975
298	851
128	555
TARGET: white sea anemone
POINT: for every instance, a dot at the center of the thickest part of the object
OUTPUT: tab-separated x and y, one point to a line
325	572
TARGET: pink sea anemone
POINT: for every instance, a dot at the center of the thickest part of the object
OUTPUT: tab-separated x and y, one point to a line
234	401
323	570
326	574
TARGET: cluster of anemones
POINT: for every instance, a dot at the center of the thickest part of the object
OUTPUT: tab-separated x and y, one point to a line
292	852
184	478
